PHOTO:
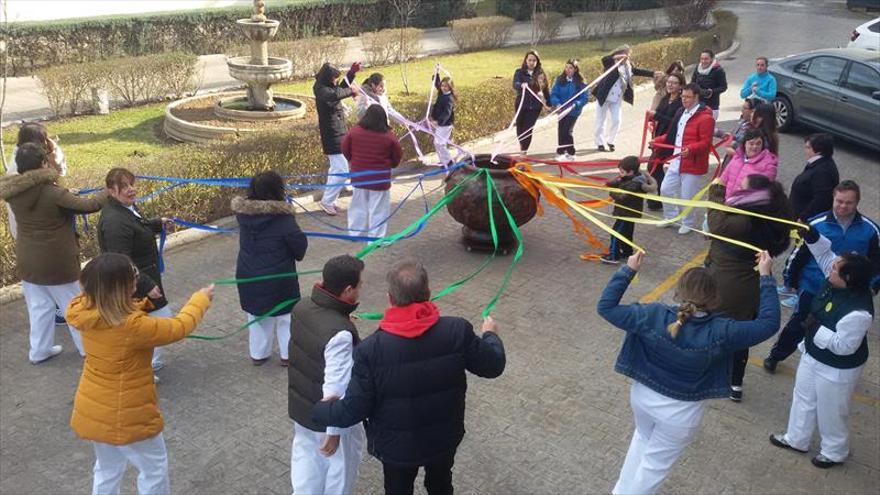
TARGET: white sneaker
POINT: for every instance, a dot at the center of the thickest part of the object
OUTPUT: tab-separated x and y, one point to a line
684	230
328	209
570	158
53	351
156	379
561	158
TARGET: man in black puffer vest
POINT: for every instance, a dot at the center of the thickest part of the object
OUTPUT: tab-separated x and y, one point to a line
409	384
322	339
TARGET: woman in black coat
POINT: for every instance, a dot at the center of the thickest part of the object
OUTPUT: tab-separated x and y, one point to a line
270	242
712	80
812	191
331	123
668	106
122	229
530	75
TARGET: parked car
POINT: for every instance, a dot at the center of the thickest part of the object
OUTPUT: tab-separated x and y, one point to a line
866	36
836	90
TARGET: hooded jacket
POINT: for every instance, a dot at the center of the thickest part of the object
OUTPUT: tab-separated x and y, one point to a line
269	242
409	384
116	399
331	114
764	163
46	248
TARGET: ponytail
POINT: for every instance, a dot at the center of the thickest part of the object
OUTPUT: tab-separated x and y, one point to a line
685	311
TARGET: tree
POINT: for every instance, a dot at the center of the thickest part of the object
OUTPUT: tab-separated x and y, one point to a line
405	9
609	15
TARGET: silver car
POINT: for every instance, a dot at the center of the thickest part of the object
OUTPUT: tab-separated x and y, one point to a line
836	90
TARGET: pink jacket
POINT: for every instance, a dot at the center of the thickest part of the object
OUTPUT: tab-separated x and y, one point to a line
764	163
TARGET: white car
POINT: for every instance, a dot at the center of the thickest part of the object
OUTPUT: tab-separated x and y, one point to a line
866	36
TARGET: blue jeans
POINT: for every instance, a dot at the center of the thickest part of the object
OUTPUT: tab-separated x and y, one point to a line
793	332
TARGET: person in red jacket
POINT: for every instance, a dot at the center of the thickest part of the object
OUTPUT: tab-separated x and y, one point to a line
370	145
690	132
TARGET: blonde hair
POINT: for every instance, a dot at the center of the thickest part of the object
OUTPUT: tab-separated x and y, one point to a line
696	291
448	81
108	282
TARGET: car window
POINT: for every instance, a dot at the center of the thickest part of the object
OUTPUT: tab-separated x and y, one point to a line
802	67
874	28
862	79
827	69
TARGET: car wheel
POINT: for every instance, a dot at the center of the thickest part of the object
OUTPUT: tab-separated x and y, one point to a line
784	113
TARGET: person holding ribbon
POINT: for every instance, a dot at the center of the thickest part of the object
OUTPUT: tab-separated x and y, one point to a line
116	406
732	265
442	116
532	95
270	242
834	353
679	357
331	122
566	86
662	117
46	245
371	146
373	92
123	229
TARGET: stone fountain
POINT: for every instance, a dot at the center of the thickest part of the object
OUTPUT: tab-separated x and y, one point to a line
259	71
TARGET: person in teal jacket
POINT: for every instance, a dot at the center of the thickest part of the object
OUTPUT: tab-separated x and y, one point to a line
760	84
566	86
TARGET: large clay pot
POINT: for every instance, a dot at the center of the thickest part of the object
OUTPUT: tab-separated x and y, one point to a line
471	208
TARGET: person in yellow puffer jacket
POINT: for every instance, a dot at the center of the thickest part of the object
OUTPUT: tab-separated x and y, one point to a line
116	406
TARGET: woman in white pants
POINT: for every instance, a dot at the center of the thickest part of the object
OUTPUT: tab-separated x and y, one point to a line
835	349
270	243
116	406
679	357
46	248
371	146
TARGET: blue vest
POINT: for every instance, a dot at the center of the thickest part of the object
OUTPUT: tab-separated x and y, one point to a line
828	308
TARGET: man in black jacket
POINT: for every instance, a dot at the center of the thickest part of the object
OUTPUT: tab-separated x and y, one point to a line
408	384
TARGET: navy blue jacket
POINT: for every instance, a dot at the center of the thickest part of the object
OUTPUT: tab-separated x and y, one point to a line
537	81
443	110
694	365
270	242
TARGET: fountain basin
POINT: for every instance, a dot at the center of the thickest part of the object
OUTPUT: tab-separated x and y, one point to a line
277	70
260	30
236	108
471	209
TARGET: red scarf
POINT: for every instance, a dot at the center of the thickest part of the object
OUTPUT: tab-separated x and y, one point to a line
410	321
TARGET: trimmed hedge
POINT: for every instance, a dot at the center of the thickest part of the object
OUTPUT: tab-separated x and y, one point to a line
43	44
522	11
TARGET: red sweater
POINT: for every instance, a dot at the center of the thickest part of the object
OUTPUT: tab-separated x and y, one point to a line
370	150
697	139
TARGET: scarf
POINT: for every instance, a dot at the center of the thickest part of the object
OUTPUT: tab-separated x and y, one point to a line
749	196
708	69
410	321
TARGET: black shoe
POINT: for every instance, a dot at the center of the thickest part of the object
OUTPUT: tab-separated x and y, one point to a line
822	462
259	362
779	441
59	320
770	365
600	147
611	260
736	394
610	147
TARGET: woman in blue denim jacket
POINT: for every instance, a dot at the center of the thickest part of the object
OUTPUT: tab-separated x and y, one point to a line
679	357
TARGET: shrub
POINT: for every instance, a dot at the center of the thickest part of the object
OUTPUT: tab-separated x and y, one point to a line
391	45
68	87
586	27
547	26
480	33
522	11
308	54
687	15
149	78
177	74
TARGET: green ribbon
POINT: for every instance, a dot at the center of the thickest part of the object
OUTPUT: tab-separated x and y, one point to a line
279	306
519	245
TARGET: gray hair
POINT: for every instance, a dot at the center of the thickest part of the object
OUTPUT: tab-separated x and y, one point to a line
408	283
622	49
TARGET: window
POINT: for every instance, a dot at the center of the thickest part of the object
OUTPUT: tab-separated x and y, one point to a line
862	79
827	69
874	28
802	67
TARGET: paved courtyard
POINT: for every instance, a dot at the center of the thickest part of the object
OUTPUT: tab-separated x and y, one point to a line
557	421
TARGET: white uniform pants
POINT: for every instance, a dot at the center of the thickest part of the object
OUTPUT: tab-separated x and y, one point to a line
679	185
442	136
313	474
821	398
41	301
148	456
368	209
338	165
612	109
664	428
261	333
163	312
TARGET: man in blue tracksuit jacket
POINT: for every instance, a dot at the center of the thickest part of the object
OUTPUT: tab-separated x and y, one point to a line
848	231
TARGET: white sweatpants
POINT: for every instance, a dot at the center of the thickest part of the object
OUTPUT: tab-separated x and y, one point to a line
163	312
148	456
338	165
821	397
664	428
369	208
311	473
679	185
442	136
41	301
261	333
612	109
